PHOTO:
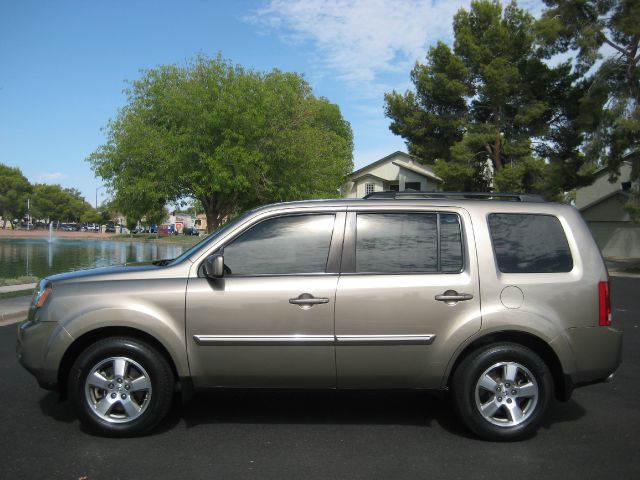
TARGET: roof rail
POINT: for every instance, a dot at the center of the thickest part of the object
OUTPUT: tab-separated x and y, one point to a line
512	197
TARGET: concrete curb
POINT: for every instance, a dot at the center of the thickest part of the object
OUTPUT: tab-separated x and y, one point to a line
17	288
624	274
16	309
13	317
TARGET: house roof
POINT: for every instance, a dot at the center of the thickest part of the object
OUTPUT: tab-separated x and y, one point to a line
417	169
379	162
604	198
400	163
366	174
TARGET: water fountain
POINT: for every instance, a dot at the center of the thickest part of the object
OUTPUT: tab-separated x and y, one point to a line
50	232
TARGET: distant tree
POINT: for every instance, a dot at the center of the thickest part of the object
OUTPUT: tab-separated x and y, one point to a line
14	192
55	203
229	137
487	112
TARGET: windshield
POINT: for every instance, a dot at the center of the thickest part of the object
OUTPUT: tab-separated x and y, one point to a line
204	243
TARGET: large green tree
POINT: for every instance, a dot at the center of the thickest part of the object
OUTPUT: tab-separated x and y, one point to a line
490	113
14	193
604	36
229	137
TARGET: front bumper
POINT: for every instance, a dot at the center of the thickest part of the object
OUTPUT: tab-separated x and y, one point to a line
39	349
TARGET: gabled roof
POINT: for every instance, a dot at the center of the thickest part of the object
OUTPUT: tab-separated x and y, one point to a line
379	162
605	198
417	169
367	174
400	163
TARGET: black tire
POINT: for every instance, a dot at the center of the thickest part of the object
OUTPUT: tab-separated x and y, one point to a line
136	400
508	415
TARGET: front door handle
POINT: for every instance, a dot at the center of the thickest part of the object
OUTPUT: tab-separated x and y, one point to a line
451	297
306	300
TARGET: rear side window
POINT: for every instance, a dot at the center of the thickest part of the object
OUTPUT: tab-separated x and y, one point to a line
408	243
526	243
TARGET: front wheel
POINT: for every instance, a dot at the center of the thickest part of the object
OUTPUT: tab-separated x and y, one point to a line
502	391
121	386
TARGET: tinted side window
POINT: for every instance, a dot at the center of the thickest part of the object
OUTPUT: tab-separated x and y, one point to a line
283	245
407	243
450	243
525	243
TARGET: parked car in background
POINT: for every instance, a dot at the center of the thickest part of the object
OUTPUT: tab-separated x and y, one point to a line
500	301
191	231
111	228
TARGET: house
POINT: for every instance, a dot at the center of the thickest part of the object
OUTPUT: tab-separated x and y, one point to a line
201	223
398	171
602	207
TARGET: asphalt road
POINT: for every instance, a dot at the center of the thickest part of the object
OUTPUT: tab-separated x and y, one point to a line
324	435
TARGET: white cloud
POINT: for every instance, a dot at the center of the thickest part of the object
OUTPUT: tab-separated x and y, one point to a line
360	40
52	177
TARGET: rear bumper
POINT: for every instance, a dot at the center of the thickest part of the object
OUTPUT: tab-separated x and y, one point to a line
597	352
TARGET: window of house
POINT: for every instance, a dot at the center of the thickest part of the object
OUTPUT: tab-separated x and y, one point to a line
394	187
368	188
529	243
280	246
412	186
408	243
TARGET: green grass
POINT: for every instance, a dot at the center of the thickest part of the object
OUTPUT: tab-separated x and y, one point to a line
634	269
4	282
151	237
19	293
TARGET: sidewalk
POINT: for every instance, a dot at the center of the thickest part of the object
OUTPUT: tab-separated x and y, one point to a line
14	310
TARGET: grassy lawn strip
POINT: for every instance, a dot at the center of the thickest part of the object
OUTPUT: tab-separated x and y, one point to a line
5	282
19	293
186	239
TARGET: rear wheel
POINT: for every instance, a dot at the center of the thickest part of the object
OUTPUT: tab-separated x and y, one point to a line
121	386
502	391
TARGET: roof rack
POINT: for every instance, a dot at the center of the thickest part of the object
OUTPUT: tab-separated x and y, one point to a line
408	194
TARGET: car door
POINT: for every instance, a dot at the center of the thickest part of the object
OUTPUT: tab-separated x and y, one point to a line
407	297
269	321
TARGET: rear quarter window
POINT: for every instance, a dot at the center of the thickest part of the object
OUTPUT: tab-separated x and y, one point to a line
529	243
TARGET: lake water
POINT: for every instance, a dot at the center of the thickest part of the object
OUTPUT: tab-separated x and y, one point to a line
39	258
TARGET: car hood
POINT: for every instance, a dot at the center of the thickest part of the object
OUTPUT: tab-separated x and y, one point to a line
122	272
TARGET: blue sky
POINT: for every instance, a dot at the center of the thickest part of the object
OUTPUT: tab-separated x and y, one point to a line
64	64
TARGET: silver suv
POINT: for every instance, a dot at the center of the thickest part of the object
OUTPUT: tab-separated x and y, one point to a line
500	300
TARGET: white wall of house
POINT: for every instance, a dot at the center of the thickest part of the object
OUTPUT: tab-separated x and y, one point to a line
361	186
602	206
383	175
602	187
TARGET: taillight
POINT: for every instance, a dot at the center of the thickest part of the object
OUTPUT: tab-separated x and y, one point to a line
604	296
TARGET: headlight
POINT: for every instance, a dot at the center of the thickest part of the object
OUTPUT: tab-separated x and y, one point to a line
41	294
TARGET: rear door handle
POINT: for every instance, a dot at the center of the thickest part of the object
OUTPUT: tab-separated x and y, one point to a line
308	300
450	297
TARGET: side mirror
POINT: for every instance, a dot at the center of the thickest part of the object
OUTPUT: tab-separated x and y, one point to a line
214	266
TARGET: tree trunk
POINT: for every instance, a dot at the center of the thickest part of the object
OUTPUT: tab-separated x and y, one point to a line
497	144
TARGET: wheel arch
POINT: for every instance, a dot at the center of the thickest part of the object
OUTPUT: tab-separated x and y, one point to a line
84	341
561	382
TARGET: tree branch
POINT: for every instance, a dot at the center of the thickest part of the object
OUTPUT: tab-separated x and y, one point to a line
623	51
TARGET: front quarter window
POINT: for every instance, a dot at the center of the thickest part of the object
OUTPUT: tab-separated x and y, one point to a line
288	245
